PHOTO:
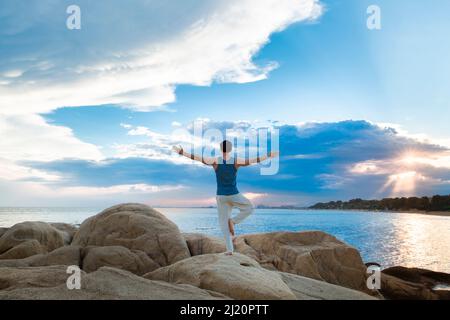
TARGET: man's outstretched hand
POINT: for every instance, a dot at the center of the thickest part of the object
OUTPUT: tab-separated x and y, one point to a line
274	154
178	149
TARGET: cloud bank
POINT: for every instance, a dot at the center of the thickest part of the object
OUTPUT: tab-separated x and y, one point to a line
318	161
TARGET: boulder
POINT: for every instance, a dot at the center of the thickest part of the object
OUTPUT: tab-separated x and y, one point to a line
401	283
136	227
236	276
396	289
311	289
23	250
312	254
427	277
40	277
2	231
68	256
203	244
49	283
29	238
135	261
68	231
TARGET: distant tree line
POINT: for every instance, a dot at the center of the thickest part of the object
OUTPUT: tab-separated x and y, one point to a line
435	203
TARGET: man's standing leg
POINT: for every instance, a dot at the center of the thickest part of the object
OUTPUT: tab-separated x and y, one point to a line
224	208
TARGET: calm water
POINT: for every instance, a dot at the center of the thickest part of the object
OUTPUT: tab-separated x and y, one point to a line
387	238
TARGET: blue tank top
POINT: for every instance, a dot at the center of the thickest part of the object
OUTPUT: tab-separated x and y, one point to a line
226	177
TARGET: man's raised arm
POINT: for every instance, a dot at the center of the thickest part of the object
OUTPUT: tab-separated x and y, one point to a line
204	160
249	162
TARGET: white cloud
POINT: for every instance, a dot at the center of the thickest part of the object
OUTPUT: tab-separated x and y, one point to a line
406	172
30	138
116	189
12	171
408	161
159	146
254	195
419	137
125	125
332	181
35	193
143	131
12	73
217	46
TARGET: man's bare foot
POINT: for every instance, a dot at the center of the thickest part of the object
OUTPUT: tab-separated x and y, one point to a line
228	253
231	226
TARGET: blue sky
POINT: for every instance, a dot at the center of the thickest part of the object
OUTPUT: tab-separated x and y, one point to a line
88	114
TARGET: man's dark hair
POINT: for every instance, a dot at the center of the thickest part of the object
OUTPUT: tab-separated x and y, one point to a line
226	146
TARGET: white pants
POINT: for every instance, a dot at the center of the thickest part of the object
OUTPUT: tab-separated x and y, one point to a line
225	205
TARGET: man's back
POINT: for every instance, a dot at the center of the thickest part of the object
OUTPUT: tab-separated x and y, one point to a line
226	173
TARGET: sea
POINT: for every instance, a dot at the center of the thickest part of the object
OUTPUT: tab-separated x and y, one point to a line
390	239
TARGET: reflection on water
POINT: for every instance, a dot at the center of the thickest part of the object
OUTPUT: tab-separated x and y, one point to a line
422	241
441	287
387	238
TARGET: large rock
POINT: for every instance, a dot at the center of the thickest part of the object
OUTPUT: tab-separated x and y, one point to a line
401	283
311	289
2	231
135	261
68	231
236	276
312	254
203	244
68	256
49	283
40	277
28	239
136	227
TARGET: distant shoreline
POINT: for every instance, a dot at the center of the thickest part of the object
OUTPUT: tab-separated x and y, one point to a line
427	213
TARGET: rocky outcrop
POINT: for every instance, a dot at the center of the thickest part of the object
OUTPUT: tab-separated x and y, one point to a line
131	251
67	256
2	231
37	277
136	227
313	254
236	276
135	261
29	238
68	231
241	277
402	283
49	283
203	244
311	289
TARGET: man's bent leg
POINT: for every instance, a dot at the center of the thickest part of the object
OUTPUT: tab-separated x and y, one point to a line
244	205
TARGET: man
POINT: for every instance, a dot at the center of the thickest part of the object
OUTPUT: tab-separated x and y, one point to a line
228	196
